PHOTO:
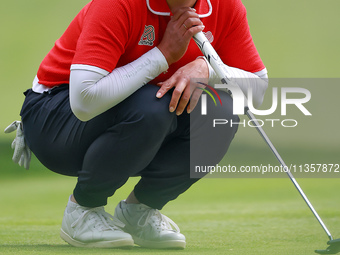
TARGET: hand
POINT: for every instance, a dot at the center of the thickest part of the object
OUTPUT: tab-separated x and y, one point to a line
184	80
22	154
183	25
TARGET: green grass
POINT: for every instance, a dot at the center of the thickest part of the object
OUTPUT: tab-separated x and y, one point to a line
236	217
296	39
218	216
221	216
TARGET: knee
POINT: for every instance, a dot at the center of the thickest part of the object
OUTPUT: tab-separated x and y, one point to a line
147	122
157	119
154	112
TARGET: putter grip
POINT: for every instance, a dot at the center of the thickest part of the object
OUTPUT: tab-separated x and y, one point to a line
212	57
219	67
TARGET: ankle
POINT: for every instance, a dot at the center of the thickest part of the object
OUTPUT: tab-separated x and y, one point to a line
131	199
72	199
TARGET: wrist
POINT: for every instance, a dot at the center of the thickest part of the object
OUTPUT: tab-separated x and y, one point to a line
166	54
204	66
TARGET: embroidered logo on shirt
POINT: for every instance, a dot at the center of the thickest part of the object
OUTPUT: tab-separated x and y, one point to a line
148	36
209	36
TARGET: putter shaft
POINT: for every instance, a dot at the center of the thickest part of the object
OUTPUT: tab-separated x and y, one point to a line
218	66
290	175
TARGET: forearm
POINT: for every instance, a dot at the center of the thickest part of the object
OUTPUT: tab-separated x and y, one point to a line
94	90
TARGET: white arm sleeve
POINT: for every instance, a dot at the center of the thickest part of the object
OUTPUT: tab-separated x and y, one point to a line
257	81
94	90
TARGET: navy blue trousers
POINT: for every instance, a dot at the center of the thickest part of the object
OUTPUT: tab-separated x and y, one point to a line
138	137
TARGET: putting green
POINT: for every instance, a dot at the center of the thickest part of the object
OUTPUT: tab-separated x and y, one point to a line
296	39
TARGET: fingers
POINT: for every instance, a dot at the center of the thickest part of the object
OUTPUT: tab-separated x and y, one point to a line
194	98
188	21
187	16
181	28
165	87
180	97
180	86
185	95
185	84
178	13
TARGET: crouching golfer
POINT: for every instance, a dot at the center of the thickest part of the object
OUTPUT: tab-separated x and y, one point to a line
112	99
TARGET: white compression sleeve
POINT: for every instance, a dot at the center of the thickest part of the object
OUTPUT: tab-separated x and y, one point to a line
257	81
94	90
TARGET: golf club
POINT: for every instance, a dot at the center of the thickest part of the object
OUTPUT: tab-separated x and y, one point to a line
220	69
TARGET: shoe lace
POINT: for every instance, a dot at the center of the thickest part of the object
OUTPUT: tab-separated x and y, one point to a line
160	221
103	220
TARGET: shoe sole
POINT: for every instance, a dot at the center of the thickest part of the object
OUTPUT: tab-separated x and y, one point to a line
120	243
170	244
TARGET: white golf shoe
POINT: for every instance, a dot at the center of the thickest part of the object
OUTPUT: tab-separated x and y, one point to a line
148	227
92	227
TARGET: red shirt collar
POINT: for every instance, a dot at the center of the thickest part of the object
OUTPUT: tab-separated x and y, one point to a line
160	7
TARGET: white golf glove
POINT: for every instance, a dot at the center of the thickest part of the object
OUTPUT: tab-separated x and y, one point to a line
22	154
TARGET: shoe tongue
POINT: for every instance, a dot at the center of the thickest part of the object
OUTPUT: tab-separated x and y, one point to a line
144	207
137	207
101	220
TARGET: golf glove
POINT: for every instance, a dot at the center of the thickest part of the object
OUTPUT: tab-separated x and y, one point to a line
22	154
